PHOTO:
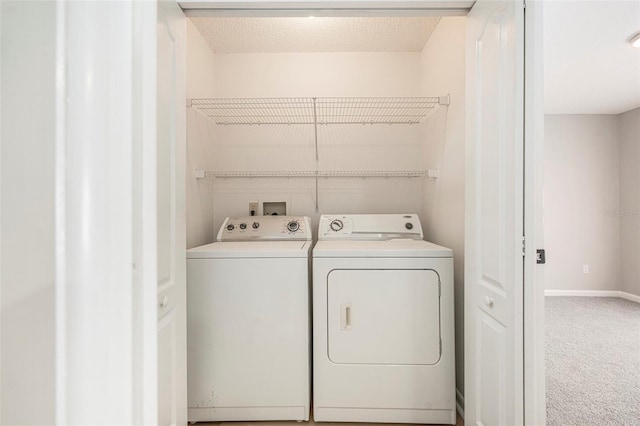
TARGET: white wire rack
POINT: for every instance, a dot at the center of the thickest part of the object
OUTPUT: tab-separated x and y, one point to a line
374	110
257	110
253	111
313	174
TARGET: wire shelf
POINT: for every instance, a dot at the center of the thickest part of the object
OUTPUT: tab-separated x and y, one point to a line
374	110
255	111
313	174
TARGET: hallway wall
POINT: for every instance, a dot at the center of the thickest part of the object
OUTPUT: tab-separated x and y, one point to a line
581	198
27	262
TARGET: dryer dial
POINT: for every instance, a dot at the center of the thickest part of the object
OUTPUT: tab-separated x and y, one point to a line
336	225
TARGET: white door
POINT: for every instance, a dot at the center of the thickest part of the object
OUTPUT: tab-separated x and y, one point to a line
494	219
172	374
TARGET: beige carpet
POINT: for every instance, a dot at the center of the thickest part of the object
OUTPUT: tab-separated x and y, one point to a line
592	361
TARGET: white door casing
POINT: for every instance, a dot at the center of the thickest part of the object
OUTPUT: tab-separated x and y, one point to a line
171	163
534	318
494	214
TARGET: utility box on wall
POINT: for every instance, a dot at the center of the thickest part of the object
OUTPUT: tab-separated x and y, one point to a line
274	208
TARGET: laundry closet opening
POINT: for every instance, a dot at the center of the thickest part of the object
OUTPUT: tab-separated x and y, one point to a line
329	115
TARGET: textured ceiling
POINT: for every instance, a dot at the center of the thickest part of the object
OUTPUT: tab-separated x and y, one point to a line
320	34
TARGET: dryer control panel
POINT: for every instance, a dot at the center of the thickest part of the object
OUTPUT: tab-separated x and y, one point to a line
266	228
369	227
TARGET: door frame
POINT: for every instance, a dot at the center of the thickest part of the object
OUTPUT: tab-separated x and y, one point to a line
533	292
105	248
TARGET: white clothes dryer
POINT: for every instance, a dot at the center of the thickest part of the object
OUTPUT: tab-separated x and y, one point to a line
383	322
248	321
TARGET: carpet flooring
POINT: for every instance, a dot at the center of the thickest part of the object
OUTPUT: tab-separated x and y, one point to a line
592	361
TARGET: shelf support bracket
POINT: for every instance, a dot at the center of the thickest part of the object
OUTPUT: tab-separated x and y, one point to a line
315	133
444	100
315	124
317	207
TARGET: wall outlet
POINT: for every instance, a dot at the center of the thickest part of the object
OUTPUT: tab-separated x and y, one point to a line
253	208
585	269
275	208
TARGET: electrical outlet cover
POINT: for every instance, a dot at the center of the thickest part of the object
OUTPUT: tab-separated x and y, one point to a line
274	208
253	208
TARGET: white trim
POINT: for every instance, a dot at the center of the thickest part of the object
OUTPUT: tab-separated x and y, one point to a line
60	216
145	326
460	403
235	8
629	296
593	293
341	13
1	399
97	369
534	315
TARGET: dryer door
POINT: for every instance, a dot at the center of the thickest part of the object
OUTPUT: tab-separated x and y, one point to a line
383	316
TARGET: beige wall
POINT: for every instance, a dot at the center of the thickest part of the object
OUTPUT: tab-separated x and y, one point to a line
199	197
581	196
443	72
629	212
343	147
317	74
27	266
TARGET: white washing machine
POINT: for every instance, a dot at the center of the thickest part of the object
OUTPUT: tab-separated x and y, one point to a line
383	322
248	321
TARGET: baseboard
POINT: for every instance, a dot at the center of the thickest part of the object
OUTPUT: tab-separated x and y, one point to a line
460	403
629	296
583	293
594	293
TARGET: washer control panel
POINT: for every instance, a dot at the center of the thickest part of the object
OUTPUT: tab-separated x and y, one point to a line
267	228
369	227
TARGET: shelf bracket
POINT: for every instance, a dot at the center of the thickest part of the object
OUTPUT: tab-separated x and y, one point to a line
317	207
315	132
315	124
444	100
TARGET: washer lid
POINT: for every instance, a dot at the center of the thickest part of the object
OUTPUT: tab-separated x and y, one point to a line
252	249
387	248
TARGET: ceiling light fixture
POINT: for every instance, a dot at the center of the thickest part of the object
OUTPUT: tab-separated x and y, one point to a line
635	40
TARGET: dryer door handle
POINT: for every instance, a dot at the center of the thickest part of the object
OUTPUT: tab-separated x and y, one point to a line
345	316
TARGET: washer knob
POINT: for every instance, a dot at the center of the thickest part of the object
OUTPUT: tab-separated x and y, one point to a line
336	225
407	225
293	226
255	225
243	226
230	227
